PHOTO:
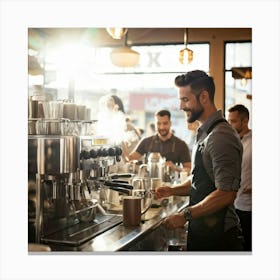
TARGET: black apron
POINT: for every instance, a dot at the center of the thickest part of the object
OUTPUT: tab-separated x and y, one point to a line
156	146
204	233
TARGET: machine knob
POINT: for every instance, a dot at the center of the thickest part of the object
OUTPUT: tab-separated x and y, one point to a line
93	153
84	154
104	152
112	151
99	152
118	151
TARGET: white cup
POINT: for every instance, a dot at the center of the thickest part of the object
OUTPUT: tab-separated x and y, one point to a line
155	183
183	176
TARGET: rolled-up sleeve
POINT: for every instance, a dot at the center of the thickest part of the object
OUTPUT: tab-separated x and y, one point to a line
222	160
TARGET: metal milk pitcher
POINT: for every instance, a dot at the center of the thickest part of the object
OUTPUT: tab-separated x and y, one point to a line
156	164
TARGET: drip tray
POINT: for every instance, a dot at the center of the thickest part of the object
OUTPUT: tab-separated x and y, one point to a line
83	231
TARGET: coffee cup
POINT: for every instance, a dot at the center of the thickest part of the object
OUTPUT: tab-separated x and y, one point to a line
183	176
155	183
141	183
132	208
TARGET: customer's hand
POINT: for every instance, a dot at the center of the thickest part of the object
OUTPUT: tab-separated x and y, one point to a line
174	221
162	192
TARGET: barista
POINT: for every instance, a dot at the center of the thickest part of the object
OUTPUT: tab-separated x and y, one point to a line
172	148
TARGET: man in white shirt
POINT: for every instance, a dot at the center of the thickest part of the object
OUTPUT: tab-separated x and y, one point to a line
238	118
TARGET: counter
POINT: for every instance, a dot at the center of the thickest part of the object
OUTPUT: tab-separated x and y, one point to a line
121	238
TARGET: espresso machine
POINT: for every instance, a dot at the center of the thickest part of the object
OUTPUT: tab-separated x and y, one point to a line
66	174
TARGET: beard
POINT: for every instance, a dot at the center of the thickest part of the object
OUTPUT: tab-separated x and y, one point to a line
194	114
238	129
163	132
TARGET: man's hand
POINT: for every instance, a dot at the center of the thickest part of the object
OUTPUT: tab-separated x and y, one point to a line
162	192
174	221
171	165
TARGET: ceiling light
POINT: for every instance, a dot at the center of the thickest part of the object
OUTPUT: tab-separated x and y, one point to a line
242	73
124	56
186	54
116	32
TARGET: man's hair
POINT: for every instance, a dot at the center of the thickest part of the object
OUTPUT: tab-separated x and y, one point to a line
163	113
241	109
198	80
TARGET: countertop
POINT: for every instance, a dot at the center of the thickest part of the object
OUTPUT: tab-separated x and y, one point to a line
121	238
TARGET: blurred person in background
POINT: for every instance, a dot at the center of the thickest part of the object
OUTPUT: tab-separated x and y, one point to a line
171	147
115	125
191	138
213	224
151	129
238	118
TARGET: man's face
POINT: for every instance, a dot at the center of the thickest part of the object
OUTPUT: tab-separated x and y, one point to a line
190	104
235	121
163	125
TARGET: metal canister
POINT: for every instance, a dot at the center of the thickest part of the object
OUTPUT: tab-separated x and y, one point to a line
32	108
52	154
52	127
32	126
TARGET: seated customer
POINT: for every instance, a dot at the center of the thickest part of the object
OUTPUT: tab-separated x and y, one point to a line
174	149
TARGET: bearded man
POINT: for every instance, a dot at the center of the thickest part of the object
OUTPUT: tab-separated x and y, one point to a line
213	224
171	147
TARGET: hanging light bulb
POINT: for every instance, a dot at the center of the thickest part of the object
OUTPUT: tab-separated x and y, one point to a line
124	56
247	76
186	54
116	32
243	82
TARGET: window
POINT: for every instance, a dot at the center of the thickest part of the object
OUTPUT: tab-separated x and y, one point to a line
145	88
237	90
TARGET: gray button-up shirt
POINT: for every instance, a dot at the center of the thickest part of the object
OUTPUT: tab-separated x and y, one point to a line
243	200
222	157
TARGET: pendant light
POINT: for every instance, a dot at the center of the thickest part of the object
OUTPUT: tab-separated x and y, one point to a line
116	32
247	76
124	56
242	73
186	54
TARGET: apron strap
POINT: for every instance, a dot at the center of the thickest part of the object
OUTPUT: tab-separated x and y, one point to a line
151	143
173	146
214	124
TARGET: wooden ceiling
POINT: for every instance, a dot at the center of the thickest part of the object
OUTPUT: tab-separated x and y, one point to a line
37	37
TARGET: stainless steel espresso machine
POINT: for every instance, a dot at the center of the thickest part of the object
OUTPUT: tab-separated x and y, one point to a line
65	176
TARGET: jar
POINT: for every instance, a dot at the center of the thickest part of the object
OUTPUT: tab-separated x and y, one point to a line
52	127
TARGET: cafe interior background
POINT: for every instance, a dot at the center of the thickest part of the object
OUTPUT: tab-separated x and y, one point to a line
74	145
62	87
80	65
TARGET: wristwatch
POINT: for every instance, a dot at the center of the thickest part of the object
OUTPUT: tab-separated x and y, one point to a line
187	214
